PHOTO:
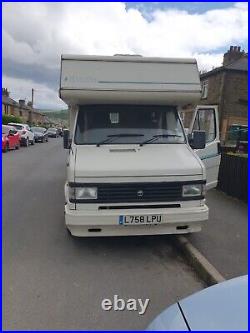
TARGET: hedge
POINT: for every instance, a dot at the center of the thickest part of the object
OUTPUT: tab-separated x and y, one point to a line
10	119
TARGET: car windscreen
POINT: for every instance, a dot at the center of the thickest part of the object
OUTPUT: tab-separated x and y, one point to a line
38	129
18	127
120	124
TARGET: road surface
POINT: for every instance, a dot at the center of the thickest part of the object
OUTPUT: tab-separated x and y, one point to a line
54	282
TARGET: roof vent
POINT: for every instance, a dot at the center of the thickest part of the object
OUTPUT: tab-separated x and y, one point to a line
126	150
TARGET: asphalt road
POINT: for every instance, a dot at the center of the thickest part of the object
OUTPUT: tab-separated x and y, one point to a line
54	282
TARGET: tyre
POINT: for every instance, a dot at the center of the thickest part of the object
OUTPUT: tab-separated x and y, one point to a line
6	148
32	142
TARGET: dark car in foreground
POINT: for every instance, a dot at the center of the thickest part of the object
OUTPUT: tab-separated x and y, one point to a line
53	132
40	134
222	307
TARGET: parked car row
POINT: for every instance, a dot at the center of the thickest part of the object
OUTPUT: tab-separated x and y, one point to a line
15	135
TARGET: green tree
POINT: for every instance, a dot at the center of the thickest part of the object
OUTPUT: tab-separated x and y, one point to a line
10	119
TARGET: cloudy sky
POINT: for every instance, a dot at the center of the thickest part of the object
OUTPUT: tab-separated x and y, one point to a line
36	34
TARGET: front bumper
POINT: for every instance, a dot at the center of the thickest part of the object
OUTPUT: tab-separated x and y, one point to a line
23	139
87	223
39	138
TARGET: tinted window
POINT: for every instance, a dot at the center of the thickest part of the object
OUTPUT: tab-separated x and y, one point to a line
18	127
38	129
139	123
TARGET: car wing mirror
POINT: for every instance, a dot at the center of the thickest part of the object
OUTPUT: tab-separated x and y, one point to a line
11	133
197	139
66	139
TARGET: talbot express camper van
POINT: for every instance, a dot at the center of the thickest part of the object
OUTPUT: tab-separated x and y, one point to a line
131	169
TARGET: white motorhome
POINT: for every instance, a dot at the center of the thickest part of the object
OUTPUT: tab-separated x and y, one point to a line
131	168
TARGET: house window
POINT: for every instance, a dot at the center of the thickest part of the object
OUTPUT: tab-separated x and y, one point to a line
204	89
20	113
6	109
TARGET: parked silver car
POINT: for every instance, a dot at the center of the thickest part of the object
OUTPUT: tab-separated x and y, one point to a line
40	133
222	307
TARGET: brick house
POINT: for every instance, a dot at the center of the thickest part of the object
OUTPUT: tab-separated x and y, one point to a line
227	87
20	109
8	104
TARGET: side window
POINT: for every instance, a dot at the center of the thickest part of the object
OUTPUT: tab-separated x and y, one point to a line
205	121
204	89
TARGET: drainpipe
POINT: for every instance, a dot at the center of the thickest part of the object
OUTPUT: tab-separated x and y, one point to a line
221	98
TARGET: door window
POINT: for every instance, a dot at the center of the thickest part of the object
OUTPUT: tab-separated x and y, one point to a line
205	121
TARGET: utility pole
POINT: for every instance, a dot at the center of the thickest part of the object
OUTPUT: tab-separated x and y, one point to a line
32	97
31	109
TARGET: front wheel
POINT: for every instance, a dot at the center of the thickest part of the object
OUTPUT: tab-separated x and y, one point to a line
6	148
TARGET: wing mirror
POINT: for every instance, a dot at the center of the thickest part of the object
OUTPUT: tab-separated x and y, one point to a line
197	139
66	139
12	133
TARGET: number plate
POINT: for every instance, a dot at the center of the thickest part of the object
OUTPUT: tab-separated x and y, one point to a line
139	219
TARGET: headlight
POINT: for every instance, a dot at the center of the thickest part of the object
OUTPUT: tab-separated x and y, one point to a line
193	190
85	193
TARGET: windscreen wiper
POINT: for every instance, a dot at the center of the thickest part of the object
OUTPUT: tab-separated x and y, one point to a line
155	137
121	135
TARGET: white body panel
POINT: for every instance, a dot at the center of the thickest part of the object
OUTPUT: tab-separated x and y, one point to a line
134	161
210	155
129	80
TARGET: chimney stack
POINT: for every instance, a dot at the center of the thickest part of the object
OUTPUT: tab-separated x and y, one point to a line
5	92
234	53
22	102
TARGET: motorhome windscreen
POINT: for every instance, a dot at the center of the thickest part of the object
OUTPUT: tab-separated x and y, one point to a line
128	124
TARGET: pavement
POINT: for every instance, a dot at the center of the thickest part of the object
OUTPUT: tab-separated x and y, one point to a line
52	281
224	239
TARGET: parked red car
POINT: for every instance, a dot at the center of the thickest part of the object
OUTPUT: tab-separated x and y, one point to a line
10	138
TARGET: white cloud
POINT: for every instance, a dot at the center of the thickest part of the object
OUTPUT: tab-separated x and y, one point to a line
38	33
44	97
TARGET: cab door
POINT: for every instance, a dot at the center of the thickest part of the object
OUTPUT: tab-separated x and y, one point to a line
11	138
206	119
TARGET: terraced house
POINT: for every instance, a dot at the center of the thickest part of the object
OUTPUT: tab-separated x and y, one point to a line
227	87
20	109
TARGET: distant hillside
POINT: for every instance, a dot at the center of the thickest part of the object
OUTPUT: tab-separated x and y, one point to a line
60	115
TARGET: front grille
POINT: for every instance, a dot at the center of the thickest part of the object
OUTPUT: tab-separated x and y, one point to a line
147	206
137	192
